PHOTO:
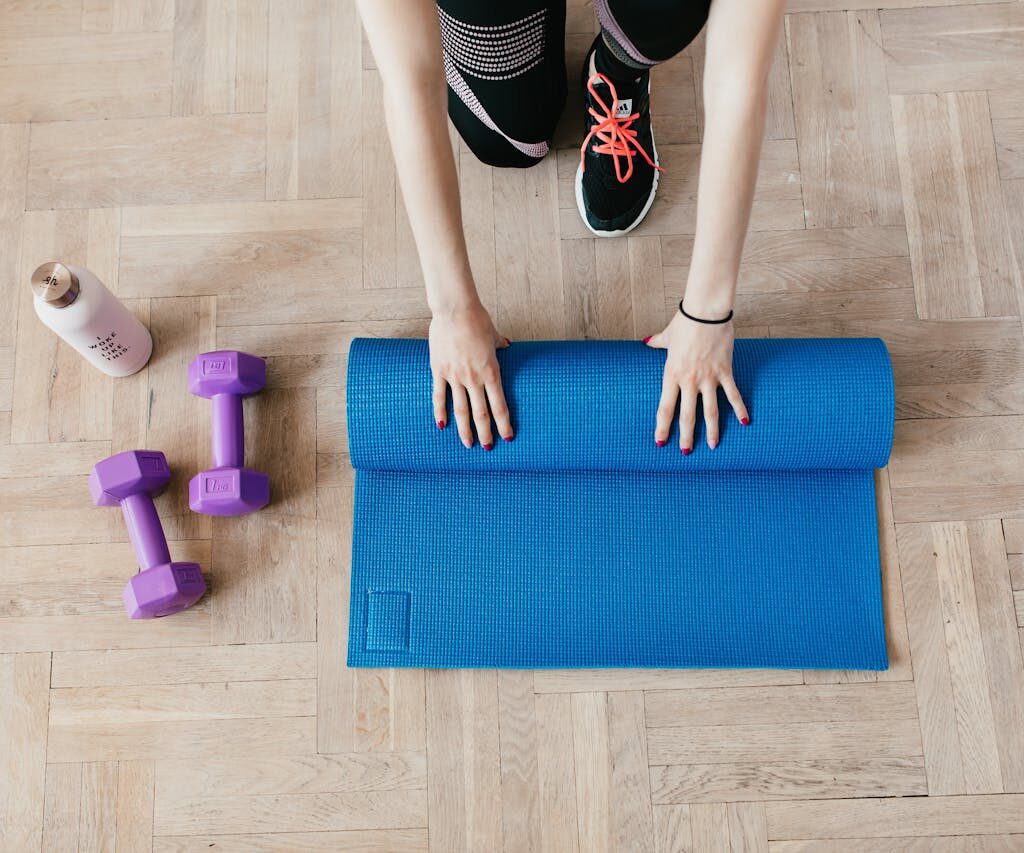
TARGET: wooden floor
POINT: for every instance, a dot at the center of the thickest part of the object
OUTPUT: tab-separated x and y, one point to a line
222	164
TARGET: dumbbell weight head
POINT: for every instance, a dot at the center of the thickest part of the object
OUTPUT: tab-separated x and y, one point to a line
226	372
130	473
162	587
163	590
228	488
228	491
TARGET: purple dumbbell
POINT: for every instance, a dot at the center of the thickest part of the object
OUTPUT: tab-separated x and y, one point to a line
227	488
132	479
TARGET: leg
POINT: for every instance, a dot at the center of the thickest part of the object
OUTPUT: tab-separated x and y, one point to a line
505	64
636	34
618	174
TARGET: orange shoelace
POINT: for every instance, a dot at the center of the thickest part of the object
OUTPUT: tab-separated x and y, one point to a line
615	135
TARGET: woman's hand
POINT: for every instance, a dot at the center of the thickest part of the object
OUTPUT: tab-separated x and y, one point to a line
462	357
699	359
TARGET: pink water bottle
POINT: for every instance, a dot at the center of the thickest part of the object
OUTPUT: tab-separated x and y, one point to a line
77	306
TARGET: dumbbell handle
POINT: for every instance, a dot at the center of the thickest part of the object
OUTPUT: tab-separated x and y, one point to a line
145	531
228	431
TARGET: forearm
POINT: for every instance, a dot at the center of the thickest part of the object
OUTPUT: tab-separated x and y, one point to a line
430	188
741	42
728	173
406	42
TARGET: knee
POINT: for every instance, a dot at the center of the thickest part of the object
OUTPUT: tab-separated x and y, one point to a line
493	148
659	29
501	154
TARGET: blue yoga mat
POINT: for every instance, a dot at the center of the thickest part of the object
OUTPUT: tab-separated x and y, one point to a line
582	544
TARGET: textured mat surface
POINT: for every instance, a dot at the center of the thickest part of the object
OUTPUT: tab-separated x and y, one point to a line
582	544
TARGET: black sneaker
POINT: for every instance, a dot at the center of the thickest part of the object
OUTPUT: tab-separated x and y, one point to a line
618	172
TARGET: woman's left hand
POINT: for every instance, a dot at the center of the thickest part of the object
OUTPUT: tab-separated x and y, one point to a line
699	360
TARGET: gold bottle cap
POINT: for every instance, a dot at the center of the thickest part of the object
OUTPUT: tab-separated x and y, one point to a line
55	284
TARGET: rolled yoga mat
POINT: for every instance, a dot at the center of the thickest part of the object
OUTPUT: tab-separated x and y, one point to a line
582	544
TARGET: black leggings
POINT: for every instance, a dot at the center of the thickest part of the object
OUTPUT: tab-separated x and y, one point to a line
505	63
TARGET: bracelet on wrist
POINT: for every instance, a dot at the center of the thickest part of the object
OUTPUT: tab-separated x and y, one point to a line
704	320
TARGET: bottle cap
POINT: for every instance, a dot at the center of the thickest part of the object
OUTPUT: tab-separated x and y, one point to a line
55	284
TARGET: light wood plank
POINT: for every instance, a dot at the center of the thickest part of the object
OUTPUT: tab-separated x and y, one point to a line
24	682
1004	666
184	779
593	770
220	57
127	16
139	161
646	286
921	844
464	772
518	740
63	800
531	303
766	705
78	77
964	47
350	841
317	812
896	818
959	243
31	18
229	700
313	143
14	144
843	127
335	694
783	742
673	825
135	785
126	667
97	830
788	780
163	739
556	772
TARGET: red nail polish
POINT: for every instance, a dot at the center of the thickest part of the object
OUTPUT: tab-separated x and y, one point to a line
441	424
645	340
661	442
488	447
745	421
507	437
686	451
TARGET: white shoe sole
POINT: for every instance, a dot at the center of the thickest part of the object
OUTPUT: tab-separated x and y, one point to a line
650	199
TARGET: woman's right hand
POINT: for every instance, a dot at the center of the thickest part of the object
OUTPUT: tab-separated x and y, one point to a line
463	343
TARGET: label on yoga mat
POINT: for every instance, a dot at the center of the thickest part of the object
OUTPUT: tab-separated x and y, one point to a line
582	544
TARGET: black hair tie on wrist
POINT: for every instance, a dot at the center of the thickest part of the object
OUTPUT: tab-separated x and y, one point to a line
725	319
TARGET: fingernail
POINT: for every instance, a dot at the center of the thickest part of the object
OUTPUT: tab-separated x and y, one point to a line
508	343
507	437
661	442
488	447
686	451
712	444
441	424
745	421
645	340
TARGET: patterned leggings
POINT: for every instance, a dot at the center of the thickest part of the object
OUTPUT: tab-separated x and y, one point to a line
505	63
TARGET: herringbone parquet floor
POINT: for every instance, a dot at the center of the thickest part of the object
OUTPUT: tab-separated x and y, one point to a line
222	164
